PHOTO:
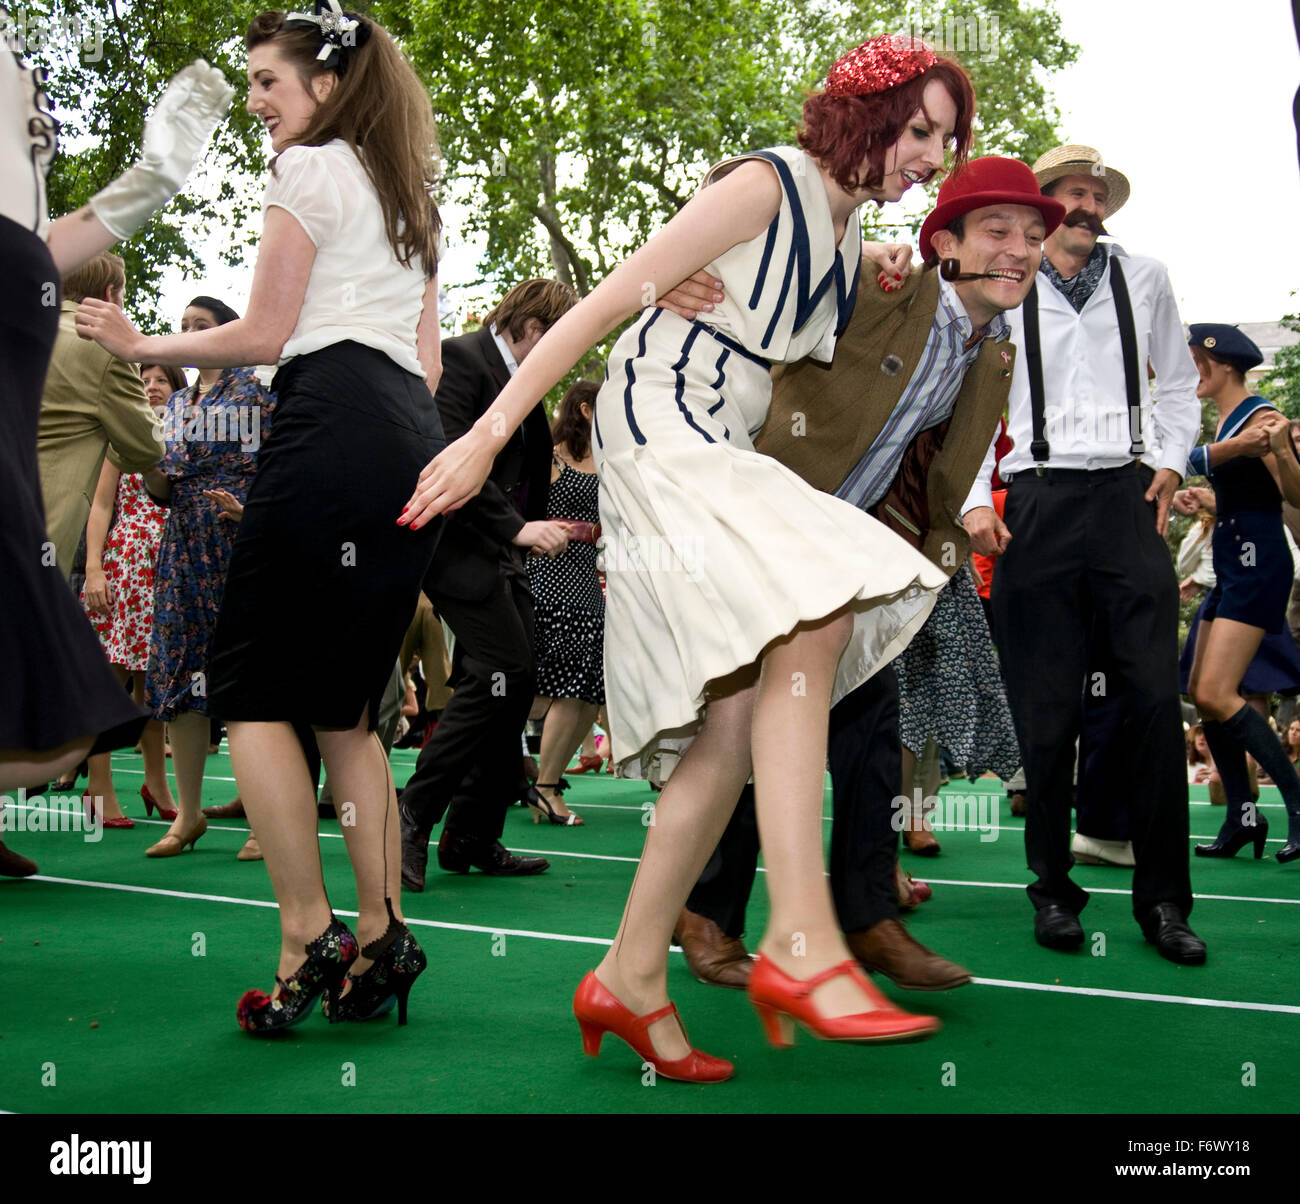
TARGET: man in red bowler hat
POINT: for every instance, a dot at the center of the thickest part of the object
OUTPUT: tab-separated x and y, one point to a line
1085	572
897	425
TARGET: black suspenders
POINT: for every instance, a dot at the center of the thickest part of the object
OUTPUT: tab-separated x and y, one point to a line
1039	447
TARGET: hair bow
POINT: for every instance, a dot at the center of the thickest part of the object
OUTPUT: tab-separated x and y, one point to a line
339	30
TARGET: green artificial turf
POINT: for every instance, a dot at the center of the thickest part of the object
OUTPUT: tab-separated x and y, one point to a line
158	969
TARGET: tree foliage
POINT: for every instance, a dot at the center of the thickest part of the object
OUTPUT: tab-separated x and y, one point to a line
575	129
1282	385
570	130
109	61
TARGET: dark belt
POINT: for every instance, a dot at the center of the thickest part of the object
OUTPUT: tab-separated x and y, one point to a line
1084	475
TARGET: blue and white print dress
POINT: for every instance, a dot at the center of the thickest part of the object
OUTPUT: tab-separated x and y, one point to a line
711	550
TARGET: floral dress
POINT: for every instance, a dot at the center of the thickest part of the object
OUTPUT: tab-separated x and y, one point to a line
129	559
212	443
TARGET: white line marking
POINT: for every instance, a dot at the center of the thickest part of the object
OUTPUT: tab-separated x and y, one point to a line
1095	890
1102	992
1142	996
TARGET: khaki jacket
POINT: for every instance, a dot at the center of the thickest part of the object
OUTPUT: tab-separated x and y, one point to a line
92	401
824	418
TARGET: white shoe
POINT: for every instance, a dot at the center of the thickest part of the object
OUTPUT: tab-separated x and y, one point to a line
1088	850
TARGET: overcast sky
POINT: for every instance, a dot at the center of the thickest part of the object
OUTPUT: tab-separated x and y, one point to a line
1191	101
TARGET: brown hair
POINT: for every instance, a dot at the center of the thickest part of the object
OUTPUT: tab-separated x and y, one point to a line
546	300
378	106
842	131
95	277
570	427
1193	754
175	377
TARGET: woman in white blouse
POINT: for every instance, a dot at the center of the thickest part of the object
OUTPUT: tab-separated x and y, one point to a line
344	300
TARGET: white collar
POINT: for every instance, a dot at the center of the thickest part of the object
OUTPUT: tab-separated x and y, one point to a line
512	365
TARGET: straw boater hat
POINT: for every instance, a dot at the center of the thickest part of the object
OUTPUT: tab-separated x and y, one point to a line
1075	160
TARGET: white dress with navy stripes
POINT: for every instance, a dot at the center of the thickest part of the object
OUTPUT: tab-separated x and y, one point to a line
711	550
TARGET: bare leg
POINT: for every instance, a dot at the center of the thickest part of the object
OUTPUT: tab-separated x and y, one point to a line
280	801
189	736
151	746
367	804
26	767
687	822
565	722
790	727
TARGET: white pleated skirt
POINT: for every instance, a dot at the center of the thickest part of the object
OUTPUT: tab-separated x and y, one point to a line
711	550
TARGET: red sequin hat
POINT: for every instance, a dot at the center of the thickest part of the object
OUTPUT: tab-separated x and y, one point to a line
883	62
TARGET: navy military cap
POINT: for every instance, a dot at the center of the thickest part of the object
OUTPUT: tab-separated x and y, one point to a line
1225	343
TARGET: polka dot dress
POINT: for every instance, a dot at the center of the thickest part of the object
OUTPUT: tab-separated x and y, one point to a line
569	605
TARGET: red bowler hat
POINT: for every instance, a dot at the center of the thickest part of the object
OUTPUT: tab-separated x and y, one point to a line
992	180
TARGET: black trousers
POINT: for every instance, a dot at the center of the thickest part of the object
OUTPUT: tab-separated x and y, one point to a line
469	770
1107	753
866	778
1085	551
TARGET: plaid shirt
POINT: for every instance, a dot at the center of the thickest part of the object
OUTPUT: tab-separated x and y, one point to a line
928	399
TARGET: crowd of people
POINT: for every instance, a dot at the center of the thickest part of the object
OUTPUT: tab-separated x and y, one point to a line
796	470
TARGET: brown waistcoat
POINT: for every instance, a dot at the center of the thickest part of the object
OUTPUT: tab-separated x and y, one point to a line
824	418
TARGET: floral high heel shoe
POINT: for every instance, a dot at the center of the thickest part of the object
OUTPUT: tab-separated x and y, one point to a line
328	959
397	961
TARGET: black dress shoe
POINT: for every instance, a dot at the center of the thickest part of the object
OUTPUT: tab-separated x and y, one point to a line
1166	928
457	854
1057	927
415	852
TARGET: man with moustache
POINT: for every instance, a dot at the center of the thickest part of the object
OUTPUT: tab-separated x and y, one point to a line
896	424
1082	548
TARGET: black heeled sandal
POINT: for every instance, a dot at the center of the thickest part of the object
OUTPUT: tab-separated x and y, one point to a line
541	807
397	961
328	959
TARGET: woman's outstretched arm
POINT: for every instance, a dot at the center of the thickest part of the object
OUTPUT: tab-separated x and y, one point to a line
737	208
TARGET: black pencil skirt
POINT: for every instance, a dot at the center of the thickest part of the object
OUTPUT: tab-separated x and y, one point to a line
323	583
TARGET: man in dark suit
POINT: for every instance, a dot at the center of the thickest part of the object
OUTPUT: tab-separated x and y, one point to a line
469	769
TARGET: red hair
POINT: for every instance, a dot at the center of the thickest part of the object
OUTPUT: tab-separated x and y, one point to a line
843	131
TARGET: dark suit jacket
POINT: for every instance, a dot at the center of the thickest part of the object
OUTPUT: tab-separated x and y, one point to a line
475	549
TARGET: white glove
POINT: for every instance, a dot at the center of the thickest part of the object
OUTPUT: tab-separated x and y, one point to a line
174	137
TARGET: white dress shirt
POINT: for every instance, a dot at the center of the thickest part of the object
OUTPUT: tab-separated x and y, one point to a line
1085	394
512	365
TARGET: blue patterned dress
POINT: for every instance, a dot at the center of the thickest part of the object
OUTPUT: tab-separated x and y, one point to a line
212	443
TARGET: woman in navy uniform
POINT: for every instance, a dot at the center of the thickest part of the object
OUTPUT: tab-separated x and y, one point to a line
1252	465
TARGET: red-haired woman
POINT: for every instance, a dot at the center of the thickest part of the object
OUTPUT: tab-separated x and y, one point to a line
345	300
740	600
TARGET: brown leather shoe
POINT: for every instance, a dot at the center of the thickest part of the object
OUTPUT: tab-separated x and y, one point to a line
231	810
15	865
712	956
888	949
